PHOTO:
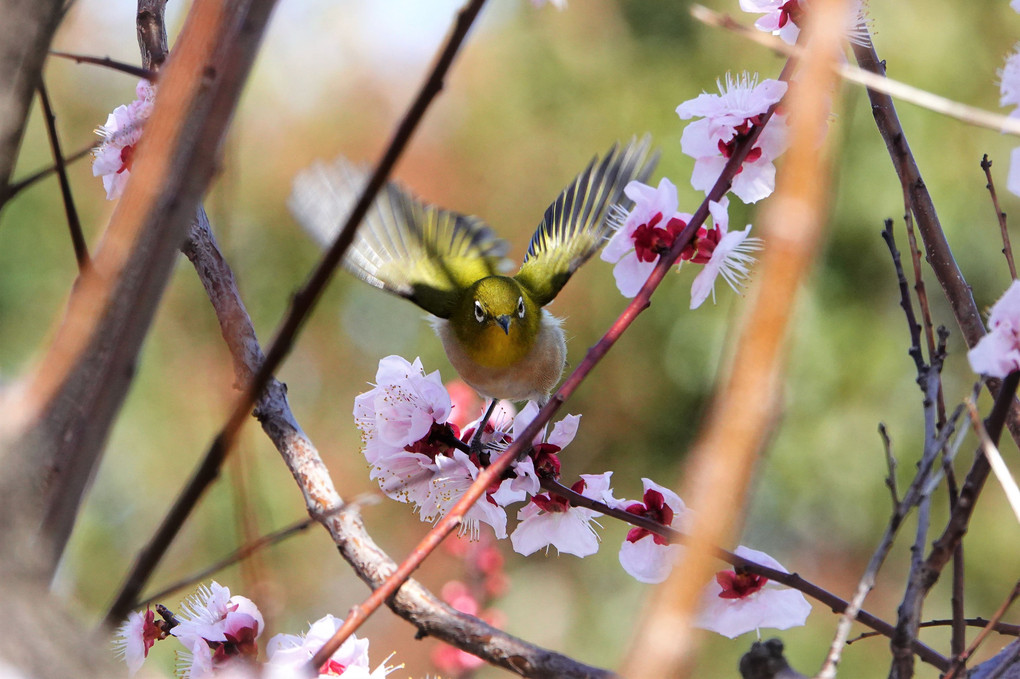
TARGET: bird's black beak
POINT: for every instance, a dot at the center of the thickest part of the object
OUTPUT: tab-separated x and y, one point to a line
504	322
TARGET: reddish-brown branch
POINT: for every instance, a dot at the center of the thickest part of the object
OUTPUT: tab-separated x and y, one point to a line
1007	248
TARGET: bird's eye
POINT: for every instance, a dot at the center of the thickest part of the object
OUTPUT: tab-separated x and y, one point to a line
479	312
520	307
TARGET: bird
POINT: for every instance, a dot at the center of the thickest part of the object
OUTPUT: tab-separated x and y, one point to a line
493	326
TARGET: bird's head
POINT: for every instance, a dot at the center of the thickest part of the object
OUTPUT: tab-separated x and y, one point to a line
496	322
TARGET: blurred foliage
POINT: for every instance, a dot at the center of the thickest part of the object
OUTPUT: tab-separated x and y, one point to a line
533	96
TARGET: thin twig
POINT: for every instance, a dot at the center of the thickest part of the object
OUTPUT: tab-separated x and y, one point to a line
905	303
998	626
922	295
1007	249
81	251
242	552
960	661
107	62
959	518
22	184
890	461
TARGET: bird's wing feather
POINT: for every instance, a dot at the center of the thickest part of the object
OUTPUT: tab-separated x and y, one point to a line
412	249
578	222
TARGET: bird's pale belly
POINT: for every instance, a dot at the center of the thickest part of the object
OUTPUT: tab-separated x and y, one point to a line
532	377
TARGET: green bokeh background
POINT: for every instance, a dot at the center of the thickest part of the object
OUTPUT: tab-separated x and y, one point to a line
534	94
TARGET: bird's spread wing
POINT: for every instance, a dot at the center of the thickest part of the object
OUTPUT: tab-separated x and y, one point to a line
405	246
576	225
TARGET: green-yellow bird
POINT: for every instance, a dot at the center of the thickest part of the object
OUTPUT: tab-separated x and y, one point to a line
492	326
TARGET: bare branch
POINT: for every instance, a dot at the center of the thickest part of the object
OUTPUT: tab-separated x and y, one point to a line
960	662
109	63
1007	248
81	252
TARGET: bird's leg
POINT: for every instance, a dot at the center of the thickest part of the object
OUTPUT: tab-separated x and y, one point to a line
476	440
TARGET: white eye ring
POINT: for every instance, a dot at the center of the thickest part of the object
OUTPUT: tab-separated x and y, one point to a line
520	307
479	312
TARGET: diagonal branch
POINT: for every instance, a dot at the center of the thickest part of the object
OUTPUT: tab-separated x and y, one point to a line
81	252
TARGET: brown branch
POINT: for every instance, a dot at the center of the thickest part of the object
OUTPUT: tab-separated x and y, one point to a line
1007	249
1000	627
239	554
959	519
81	252
960	661
922	297
22	184
25	34
109	63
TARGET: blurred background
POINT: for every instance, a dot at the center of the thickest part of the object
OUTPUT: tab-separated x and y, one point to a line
533	96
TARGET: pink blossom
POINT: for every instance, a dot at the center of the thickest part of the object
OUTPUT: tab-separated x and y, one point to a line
726	120
727	253
782	17
736	602
218	628
998	353
454	474
404	404
121	133
289	653
649	557
558	4
550	520
135	637
1009	81
785	17
647	232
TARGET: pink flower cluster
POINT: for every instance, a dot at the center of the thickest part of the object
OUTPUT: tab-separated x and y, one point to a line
650	229
420	457
406	403
726	119
652	226
220	633
121	133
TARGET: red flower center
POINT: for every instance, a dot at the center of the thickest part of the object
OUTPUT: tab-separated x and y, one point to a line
739	585
790	11
654	508
434	443
650	240
332	668
127	157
